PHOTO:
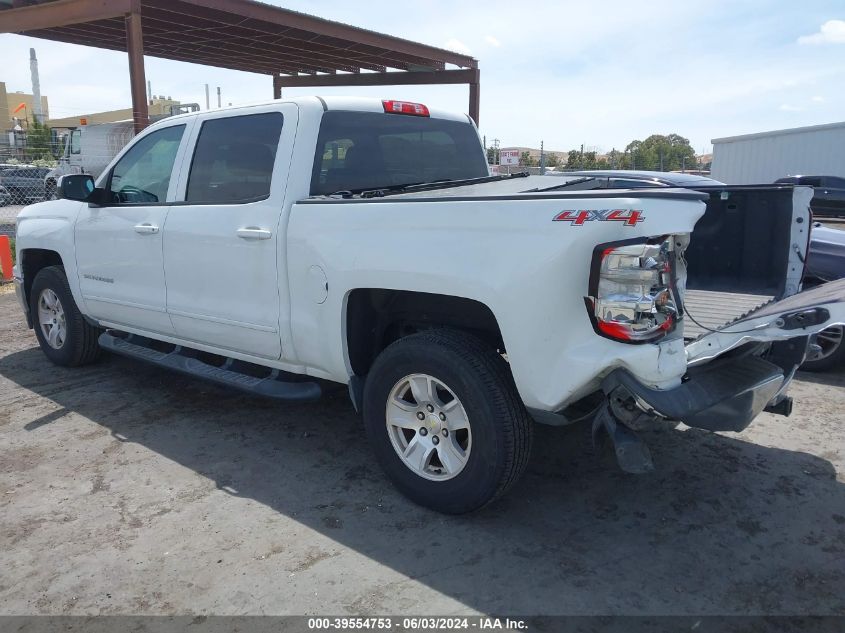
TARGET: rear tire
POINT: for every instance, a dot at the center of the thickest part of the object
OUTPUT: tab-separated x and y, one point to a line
64	335
482	440
833	350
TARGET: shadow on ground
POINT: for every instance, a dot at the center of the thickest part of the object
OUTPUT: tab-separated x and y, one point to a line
723	526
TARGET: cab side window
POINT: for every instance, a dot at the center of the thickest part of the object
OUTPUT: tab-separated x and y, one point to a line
76	142
233	160
142	175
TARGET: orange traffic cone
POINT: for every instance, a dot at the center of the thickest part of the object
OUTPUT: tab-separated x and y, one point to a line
5	257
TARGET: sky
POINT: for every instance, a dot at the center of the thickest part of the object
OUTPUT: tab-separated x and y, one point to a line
598	73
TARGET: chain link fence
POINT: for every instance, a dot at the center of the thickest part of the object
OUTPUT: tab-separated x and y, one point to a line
23	177
20	184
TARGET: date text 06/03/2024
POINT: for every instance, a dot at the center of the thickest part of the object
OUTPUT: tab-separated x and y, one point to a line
417	624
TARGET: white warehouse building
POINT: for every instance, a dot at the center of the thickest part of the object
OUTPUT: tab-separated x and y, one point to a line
817	150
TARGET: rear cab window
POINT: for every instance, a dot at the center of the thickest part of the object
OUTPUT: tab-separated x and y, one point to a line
358	151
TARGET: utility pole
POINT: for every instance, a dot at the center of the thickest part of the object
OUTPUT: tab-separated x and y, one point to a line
582	156
219	103
542	159
207	102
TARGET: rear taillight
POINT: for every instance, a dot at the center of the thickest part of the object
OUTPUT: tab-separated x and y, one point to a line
633	290
404	107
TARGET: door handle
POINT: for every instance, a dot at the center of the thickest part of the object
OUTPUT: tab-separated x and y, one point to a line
146	228
254	233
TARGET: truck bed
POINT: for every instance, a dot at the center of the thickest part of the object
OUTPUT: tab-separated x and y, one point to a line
714	309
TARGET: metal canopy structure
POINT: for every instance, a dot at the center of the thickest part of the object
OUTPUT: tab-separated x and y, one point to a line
296	49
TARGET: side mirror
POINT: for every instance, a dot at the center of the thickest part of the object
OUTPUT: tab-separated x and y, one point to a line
76	187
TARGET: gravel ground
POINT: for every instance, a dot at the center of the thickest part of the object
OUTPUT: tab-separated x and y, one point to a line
124	489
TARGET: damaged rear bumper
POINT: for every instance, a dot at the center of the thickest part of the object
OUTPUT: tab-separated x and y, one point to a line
723	395
724	389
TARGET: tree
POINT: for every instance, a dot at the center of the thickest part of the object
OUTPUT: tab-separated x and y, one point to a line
526	161
659	153
39	143
552	160
615	159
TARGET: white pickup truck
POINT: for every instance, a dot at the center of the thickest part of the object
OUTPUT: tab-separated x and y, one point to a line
281	248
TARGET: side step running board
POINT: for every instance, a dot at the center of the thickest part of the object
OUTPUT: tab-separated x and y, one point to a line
272	386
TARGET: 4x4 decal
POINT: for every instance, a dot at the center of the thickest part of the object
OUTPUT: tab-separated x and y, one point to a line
629	217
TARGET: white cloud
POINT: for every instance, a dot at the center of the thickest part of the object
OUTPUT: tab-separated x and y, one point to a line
831	32
492	41
458	46
817	99
787	107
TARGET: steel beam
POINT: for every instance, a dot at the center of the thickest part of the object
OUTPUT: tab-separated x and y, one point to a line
137	78
60	13
408	78
474	99
470	76
250	9
277	87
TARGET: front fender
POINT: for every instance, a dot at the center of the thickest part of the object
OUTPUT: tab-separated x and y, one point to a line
49	226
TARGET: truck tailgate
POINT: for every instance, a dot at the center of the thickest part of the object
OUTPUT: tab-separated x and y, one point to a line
802	314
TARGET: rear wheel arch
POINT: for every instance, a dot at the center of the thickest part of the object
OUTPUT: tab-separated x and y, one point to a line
376	317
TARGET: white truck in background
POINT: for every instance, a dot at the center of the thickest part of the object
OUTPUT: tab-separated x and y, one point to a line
89	149
366	244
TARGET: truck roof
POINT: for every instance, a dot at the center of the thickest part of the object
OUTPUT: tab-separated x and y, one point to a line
356	104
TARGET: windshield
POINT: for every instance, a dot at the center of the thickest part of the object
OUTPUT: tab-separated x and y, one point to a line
358	151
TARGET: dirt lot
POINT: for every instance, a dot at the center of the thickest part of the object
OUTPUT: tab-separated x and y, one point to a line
127	490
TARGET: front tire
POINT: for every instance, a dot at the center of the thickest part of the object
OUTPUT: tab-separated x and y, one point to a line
64	335
445	420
